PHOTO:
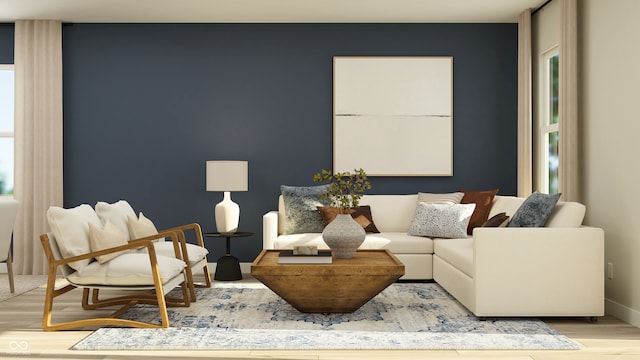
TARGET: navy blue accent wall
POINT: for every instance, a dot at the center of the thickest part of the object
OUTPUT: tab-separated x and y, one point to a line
6	43
146	105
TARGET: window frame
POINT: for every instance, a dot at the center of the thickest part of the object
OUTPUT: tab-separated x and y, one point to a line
546	127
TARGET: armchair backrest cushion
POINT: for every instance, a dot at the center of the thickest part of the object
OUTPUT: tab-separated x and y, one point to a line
65	269
117	213
140	227
70	228
105	238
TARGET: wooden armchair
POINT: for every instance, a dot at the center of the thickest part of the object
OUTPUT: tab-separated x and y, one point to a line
194	255
148	275
121	213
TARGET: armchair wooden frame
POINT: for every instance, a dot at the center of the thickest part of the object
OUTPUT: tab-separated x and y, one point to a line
185	256
155	294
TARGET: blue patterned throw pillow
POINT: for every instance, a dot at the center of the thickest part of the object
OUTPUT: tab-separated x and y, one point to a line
300	208
441	220
535	210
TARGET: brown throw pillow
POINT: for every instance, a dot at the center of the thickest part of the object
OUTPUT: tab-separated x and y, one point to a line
483	201
497	220
362	215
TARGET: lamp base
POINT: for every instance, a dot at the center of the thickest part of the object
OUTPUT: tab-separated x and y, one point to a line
227	215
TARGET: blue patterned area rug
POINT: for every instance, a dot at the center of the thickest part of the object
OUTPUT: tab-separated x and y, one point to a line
250	316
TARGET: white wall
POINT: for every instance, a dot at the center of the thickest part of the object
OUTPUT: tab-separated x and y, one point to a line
610	109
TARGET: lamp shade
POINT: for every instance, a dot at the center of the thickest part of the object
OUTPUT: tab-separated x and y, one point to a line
225	175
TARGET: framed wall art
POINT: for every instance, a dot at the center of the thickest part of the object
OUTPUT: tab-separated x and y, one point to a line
393	115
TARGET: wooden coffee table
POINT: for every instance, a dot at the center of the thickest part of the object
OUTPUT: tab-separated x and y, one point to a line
341	287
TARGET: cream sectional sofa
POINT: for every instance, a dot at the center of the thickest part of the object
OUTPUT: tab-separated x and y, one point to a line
556	270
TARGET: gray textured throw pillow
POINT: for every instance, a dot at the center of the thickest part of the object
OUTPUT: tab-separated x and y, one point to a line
535	210
300	208
441	220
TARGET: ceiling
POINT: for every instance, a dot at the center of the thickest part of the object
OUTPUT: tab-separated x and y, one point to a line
276	11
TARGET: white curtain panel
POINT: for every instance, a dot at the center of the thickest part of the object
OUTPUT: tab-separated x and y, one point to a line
569	170
38	136
525	160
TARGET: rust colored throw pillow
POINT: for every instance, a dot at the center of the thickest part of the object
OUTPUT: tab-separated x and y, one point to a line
362	215
497	220
483	201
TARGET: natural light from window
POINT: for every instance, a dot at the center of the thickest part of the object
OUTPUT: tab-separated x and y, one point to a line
6	129
549	128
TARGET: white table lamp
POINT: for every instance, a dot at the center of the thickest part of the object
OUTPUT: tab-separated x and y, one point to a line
227	176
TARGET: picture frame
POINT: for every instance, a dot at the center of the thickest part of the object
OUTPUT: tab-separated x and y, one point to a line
393	115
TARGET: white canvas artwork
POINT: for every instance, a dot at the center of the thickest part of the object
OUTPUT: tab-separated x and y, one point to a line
393	116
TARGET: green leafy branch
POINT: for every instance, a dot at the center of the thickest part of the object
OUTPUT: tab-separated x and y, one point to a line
345	188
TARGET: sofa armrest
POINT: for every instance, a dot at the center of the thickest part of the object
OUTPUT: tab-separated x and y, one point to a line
540	265
269	229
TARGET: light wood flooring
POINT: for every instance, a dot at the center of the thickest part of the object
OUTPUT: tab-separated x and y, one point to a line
21	336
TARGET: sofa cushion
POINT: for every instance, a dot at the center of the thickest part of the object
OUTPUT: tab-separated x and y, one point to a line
441	220
535	210
505	204
436	198
391	213
300	207
127	270
483	201
498	220
457	252
567	214
397	242
361	214
70	228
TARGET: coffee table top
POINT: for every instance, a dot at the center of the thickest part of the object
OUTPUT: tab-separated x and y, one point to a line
364	261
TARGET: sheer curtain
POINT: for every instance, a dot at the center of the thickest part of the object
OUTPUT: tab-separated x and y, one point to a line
38	136
569	151
525	160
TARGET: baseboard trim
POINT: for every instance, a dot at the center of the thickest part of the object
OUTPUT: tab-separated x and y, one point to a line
622	312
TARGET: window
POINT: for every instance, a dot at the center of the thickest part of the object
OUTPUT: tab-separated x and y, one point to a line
549	128
6	129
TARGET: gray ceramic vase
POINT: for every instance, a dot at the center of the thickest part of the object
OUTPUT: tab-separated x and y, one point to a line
343	236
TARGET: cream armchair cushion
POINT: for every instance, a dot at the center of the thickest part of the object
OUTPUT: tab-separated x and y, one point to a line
119	212
141	227
71	229
130	269
106	238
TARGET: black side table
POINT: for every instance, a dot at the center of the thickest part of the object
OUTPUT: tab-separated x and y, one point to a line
228	266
